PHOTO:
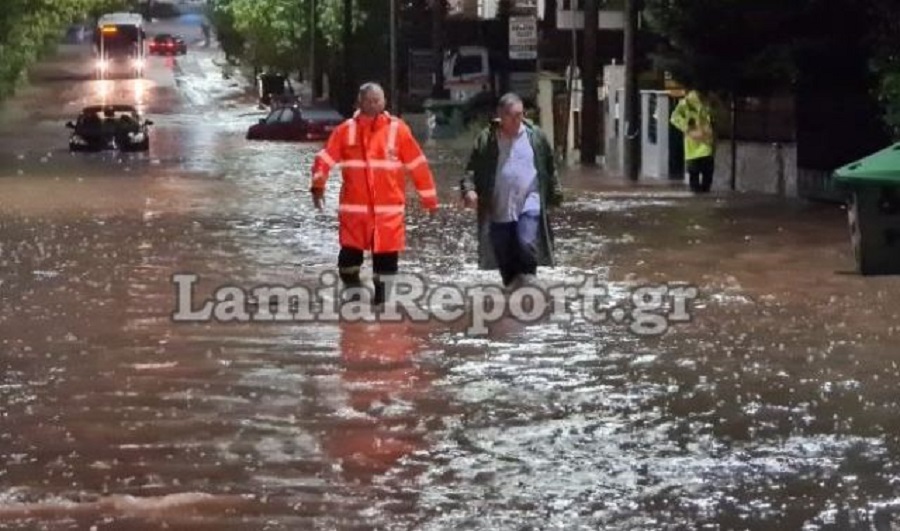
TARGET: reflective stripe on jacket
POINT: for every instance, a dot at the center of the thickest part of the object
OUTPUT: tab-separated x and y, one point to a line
374	155
690	114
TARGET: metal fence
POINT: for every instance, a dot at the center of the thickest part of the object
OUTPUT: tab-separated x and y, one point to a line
758	119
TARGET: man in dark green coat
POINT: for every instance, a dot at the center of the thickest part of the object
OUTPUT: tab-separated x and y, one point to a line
511	180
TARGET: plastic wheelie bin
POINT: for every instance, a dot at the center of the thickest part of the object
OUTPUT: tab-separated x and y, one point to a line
873	186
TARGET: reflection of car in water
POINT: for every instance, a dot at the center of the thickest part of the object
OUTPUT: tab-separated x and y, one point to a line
167	44
101	127
296	123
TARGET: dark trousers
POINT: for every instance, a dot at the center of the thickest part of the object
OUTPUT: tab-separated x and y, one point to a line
700	173
350	262
516	246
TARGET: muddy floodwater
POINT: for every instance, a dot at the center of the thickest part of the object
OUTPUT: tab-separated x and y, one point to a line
774	405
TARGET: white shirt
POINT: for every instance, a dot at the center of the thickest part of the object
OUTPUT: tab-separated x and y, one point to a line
515	185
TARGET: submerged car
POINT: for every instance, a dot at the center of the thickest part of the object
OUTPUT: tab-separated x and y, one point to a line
167	44
296	124
101	127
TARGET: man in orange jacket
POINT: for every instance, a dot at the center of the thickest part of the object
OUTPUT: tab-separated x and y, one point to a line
375	150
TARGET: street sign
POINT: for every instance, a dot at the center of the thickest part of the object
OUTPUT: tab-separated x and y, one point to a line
523	38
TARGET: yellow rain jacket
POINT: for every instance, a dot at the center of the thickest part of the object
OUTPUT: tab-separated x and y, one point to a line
694	119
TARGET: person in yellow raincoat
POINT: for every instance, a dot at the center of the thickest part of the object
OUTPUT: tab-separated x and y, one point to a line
693	117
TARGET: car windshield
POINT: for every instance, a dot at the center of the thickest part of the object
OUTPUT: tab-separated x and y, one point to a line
90	121
273	116
97	118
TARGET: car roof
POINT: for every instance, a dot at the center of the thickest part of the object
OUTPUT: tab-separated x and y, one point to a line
115	108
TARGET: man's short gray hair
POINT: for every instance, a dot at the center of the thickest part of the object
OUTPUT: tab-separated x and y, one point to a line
508	100
371	86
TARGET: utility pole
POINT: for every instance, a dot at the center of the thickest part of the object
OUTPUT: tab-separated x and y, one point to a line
734	117
312	50
348	63
632	95
395	99
437	45
590	107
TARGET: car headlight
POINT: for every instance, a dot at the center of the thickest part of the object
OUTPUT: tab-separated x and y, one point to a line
102	64
139	64
137	137
78	140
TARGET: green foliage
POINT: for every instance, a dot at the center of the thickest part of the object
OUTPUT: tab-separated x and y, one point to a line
885	64
31	28
275	34
758	46
742	46
889	95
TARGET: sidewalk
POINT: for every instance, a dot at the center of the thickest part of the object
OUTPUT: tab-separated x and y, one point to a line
596	179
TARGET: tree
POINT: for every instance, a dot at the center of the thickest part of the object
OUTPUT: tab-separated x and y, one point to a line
276	33
884	41
732	46
30	28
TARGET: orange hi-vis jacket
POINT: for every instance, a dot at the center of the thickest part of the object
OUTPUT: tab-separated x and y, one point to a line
374	155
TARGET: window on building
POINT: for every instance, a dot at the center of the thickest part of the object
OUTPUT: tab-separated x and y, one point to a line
616	116
467	65
570	5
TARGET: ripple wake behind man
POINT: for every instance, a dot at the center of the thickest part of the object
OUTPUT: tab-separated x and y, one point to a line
375	150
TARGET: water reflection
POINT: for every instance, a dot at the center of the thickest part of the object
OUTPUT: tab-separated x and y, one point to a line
381	384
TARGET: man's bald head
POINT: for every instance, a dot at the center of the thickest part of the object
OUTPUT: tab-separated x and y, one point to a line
371	99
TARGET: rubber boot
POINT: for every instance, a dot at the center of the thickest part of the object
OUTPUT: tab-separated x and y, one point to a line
351	284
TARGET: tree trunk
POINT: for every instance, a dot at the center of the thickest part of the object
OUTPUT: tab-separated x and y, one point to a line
438	13
632	94
349	89
313	77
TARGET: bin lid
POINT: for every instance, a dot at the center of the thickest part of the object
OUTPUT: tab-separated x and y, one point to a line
882	166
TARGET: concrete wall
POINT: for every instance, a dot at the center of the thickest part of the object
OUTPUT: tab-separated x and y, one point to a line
761	167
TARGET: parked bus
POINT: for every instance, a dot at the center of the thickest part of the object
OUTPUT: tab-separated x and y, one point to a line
119	45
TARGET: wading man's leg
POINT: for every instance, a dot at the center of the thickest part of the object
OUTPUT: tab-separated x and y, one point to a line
385	267
350	262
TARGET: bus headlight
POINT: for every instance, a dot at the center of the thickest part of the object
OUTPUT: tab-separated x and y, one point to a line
138	64
102	64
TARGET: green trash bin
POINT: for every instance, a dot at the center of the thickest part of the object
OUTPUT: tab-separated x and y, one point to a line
873	211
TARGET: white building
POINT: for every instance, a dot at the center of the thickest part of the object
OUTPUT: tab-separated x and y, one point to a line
486	9
568	12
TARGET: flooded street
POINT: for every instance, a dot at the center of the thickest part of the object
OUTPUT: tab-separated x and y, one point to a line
775	407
